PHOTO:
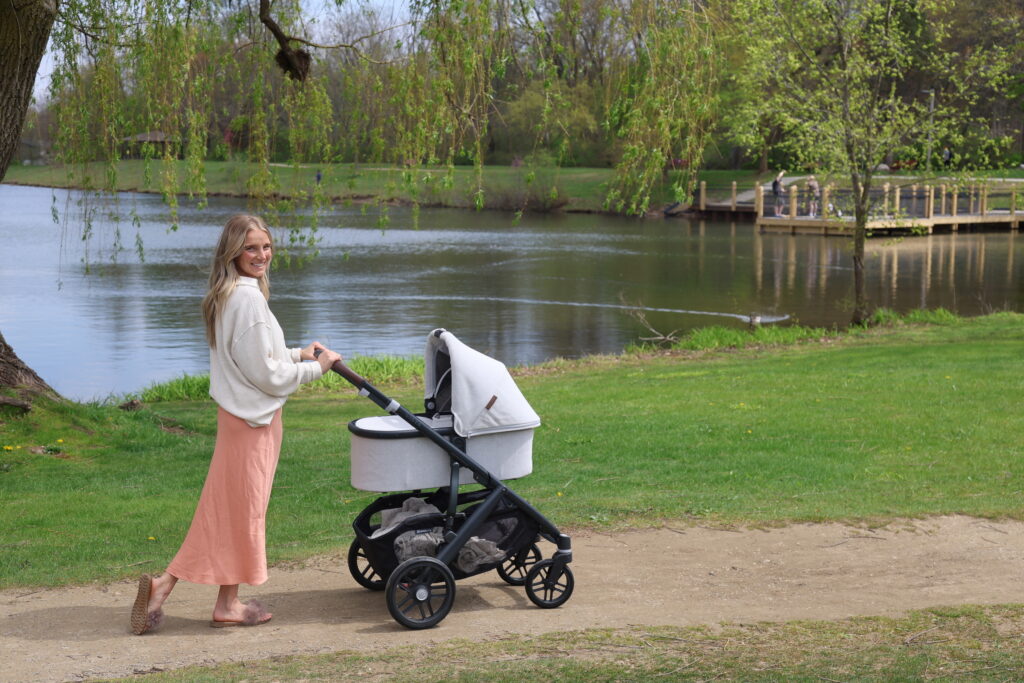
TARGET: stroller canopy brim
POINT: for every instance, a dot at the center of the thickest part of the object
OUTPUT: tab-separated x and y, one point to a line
484	397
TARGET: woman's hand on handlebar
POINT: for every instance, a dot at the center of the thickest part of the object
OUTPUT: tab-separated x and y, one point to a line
326	358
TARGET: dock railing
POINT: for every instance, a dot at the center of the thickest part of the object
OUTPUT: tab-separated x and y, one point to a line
912	206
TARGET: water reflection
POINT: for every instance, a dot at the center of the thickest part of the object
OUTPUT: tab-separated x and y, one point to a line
545	287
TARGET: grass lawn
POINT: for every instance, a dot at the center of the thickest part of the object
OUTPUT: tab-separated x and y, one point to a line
898	421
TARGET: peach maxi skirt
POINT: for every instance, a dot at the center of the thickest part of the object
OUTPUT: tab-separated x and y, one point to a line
226	543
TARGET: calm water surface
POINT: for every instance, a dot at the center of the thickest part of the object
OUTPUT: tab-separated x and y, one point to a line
548	286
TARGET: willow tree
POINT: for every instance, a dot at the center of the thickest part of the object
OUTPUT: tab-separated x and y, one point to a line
852	81
665	107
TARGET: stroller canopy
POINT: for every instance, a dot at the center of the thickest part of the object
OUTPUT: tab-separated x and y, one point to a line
477	389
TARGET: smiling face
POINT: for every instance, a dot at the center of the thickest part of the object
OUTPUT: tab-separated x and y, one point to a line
256	254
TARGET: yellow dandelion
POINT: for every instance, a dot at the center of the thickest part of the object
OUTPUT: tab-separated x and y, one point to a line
151	538
8	448
60	440
559	494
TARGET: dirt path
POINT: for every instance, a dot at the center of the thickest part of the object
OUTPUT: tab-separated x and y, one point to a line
678	577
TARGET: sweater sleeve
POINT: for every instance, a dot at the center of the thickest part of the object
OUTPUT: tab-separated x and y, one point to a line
252	351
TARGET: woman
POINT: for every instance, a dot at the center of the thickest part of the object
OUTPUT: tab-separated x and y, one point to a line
252	373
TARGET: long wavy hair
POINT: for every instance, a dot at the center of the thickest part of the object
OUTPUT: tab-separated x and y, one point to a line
223	272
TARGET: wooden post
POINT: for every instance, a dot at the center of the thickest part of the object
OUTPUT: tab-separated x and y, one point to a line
942	204
1014	223
896	201
953	212
793	192
703	194
929	201
885	199
733	204
984	200
913	199
824	201
759	200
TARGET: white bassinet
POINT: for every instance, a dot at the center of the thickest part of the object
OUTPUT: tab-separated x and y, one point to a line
467	394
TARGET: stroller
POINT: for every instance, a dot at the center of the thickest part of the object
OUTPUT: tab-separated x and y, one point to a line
477	428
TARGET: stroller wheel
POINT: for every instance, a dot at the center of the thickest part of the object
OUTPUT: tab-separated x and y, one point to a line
514	570
361	570
547	590
420	592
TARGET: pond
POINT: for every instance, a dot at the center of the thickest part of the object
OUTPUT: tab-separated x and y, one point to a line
98	327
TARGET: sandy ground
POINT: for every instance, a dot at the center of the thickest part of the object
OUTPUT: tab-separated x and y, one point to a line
684	576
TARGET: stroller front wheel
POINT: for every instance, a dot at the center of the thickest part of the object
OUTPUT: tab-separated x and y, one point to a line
420	592
547	590
361	570
513	570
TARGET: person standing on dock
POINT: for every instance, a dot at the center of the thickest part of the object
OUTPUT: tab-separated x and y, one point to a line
779	191
813	194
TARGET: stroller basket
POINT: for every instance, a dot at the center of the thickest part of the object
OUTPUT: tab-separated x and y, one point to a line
420	532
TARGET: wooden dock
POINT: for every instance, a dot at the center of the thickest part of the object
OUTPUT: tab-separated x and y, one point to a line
897	209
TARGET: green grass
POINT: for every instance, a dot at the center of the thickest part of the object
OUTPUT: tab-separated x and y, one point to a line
379	370
958	644
903	420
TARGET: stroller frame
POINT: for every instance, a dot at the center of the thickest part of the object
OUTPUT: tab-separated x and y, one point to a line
420	591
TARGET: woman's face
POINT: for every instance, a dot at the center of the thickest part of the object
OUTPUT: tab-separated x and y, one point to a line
256	254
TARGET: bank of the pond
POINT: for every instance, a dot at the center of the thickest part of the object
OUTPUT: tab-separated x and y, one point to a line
505	188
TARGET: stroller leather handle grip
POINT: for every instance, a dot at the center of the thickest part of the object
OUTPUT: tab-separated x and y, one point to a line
345	371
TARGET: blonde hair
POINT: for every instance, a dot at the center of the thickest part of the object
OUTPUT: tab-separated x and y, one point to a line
223	272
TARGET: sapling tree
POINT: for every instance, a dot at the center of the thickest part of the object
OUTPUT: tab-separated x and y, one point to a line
851	81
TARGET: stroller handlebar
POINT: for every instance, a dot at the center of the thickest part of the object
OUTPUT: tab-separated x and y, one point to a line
345	371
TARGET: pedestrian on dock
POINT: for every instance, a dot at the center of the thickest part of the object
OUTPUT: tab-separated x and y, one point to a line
813	194
779	191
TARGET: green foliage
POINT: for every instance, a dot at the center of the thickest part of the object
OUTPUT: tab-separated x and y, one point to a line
665	108
169	82
382	370
716	337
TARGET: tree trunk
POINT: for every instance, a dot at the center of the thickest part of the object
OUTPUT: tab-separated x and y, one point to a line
861	196
24	30
860	294
15	374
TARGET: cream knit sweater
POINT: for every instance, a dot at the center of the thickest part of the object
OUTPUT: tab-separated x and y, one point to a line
252	372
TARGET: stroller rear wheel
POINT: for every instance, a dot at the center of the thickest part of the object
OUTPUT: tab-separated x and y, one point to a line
547	590
514	569
361	570
420	592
